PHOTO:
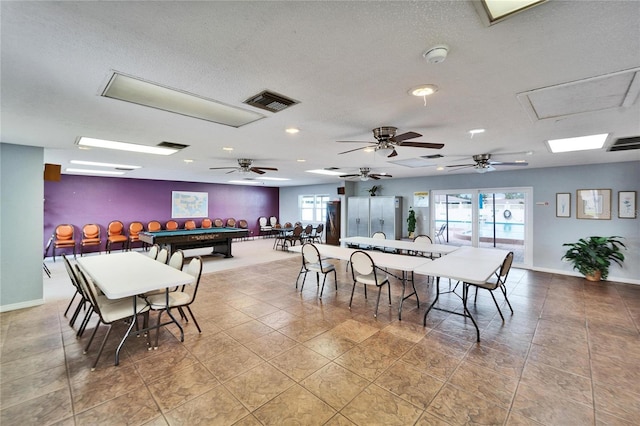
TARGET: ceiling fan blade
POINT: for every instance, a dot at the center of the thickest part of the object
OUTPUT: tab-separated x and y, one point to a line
348	176
393	154
357	149
378	176
354	141
232	171
266	168
422	145
461	165
221	168
405	136
256	170
374	177
513	163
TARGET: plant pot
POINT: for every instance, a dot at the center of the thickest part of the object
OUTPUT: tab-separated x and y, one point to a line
596	276
411	235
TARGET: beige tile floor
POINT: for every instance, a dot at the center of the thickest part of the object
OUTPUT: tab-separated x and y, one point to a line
269	354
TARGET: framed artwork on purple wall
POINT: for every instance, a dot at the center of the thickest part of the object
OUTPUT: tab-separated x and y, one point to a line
189	204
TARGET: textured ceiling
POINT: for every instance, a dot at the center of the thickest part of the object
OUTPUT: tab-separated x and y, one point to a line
349	64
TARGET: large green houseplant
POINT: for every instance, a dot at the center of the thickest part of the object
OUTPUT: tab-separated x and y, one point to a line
411	222
592	256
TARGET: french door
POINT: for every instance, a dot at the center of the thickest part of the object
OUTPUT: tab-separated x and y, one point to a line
492	218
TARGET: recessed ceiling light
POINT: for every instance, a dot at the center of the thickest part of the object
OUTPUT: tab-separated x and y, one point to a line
95	163
301	160
227	148
93	172
440	168
580	143
123	146
476	131
292	130
372	149
325	172
424	90
186	160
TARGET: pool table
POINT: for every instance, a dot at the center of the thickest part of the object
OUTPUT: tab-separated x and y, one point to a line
219	239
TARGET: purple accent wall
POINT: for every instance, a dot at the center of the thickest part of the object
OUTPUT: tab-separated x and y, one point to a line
87	199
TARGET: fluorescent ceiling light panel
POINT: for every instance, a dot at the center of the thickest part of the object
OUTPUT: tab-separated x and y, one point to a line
97	164
581	143
325	172
500	9
272	178
123	146
413	162
134	90
247	182
94	172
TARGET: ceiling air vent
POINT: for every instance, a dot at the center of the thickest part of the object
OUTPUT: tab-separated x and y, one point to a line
172	145
625	144
270	101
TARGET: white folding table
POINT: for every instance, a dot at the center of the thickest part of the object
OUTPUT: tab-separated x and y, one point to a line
405	264
400	245
129	274
469	265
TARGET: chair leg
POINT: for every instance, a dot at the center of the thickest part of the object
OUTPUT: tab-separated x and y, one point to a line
504	292
352	290
496	302
194	319
303	280
377	301
158	328
323	281
86	349
70	302
389	288
335	278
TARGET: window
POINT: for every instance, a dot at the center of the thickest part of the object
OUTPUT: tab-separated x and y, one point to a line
313	208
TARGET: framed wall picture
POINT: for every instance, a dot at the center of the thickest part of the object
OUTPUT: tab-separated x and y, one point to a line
593	204
563	204
627	205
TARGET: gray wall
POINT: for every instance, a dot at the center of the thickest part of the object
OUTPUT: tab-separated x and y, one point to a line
21	220
550	232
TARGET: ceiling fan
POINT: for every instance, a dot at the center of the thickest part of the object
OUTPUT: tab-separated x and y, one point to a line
365	174
388	141
482	163
245	167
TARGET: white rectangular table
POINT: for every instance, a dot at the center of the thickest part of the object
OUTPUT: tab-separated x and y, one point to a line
469	265
409	246
405	264
129	274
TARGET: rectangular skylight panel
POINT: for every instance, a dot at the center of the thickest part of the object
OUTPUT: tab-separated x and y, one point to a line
580	143
144	93
499	9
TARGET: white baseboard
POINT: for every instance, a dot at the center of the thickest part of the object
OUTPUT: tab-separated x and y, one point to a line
21	305
575	274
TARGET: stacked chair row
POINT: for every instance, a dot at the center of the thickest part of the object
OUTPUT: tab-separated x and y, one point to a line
64	236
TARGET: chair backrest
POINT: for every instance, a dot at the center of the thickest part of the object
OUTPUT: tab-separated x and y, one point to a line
288	225
190	224
90	231
442	228
171	225
64	232
310	254
319	229
297	231
506	267
154	226
361	263
273	220
115	228
243	224
163	256
424	239
262	221
88	289
135	228
218	223
193	268
308	229
231	223
177	260
206	223
153	251
379	235
71	272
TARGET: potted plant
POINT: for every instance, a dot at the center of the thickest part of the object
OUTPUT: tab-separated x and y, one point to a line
372	191
411	222
593	256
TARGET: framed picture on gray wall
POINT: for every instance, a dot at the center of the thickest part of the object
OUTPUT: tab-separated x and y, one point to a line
563	204
627	205
593	204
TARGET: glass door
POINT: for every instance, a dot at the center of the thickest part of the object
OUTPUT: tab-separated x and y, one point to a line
493	218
